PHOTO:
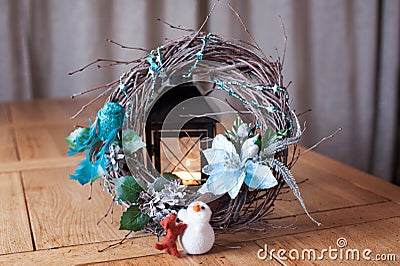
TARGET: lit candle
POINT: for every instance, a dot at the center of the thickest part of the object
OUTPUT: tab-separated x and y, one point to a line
189	178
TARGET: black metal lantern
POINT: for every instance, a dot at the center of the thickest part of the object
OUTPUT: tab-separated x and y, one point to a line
176	148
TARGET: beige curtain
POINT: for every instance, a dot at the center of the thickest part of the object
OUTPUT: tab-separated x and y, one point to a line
342	56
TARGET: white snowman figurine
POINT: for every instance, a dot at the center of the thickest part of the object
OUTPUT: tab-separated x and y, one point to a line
198	237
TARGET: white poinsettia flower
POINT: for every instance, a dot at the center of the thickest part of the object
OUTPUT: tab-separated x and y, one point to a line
228	170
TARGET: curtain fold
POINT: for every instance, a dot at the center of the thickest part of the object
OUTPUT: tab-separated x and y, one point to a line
387	94
342	56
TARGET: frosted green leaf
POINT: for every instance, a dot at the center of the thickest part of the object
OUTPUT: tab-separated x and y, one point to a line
131	141
133	219
236	124
127	189
81	134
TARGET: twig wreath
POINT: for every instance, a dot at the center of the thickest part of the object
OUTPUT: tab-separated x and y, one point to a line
246	168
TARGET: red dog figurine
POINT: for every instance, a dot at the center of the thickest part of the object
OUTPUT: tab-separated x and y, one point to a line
173	231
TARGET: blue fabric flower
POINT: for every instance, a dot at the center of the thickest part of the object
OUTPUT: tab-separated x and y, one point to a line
228	170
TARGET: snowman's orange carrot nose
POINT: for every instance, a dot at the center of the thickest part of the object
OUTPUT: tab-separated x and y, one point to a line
196	207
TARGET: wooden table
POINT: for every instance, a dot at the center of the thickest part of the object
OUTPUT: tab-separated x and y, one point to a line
45	218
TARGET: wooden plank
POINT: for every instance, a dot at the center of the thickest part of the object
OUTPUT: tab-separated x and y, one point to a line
73	105
51	111
143	246
80	254
138	247
42	142
381	237
354	176
137	251
14	224
8	150
301	223
322	191
162	259
62	215
28	112
5	115
39	164
245	254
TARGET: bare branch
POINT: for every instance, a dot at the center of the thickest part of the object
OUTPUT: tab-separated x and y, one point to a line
116	244
98	61
179	27
284	40
202	25
127	47
245	28
322	140
93	89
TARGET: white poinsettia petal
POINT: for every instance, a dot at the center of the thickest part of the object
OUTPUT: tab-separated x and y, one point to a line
259	176
243	130
227	181
214	156
213	169
220	142
249	148
234	191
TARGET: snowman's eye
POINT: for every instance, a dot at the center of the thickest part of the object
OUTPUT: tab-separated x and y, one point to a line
202	207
